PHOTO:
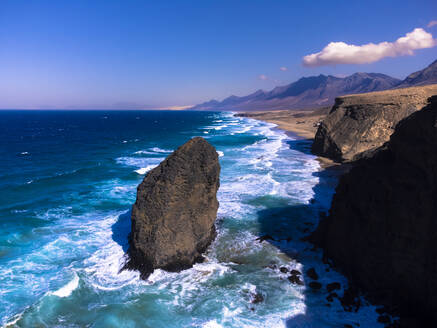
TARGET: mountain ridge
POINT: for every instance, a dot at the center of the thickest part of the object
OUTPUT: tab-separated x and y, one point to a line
318	91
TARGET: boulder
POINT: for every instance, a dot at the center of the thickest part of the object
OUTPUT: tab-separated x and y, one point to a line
333	286
359	124
175	210
295	279
311	272
382	226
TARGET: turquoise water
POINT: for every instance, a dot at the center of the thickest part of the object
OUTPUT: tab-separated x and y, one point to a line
68	180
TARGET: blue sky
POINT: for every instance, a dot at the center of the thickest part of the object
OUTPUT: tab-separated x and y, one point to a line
142	54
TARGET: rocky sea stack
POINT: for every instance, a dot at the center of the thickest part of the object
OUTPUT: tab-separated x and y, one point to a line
175	210
359	124
382	226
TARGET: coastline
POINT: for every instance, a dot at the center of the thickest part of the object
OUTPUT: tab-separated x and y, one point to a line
302	123
284	174
299	125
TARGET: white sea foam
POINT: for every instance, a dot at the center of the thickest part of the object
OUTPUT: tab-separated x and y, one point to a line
103	266
160	150
144	152
146	169
139	162
153	151
11	323
212	324
220	153
244	130
66	290
18	211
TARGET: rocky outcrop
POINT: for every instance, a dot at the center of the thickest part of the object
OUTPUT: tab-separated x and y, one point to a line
175	210
382	226
358	124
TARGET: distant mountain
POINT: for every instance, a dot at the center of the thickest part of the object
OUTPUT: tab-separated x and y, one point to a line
318	91
425	76
307	92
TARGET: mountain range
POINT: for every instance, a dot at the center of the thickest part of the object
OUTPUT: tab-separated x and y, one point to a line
318	91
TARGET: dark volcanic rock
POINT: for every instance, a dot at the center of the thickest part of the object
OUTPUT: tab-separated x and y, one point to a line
265	237
333	286
295	279
176	207
256	298
382	227
311	272
359	124
331	296
350	300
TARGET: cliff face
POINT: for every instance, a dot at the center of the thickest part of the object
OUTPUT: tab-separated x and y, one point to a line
362	123
176	207
382	226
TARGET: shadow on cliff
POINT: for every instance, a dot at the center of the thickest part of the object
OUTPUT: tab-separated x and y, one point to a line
286	227
121	230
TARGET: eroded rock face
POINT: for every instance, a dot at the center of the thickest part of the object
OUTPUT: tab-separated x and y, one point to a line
359	124
382	226
176	207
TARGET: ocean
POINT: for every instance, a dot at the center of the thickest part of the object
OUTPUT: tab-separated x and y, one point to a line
68	180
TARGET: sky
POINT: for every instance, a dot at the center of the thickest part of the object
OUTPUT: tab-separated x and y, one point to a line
143	54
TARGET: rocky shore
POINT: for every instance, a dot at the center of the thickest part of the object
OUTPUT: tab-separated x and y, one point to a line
175	210
381	229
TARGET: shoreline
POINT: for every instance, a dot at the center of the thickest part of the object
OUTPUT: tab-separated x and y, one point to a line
300	125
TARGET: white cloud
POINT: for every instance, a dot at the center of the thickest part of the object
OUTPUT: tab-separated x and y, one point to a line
343	53
432	23
263	77
283	68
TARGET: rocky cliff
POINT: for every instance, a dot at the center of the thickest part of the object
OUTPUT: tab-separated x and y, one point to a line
382	226
361	123
175	210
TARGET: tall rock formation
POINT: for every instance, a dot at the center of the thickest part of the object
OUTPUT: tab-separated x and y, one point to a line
361	123
382	226
176	207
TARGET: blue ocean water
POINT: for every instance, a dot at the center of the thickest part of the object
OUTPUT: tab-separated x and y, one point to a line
68	180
